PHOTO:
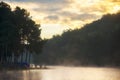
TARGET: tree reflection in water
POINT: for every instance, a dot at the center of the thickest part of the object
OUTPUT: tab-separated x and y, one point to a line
20	75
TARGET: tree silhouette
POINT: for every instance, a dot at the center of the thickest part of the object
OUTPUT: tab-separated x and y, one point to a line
97	43
18	33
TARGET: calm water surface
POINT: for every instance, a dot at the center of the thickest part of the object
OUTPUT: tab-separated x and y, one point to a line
63	73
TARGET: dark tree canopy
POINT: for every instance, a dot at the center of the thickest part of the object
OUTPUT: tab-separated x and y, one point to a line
17	31
97	43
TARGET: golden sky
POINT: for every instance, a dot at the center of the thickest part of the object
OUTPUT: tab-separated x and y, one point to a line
55	16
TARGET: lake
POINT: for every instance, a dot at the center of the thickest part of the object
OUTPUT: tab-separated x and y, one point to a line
63	73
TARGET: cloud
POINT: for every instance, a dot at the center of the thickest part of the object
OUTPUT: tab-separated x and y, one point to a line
73	9
114	0
71	13
84	16
52	17
41	1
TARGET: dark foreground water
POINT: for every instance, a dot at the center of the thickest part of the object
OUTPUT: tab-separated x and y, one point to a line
63	73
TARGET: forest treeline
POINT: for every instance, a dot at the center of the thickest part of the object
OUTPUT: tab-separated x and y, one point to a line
19	35
95	44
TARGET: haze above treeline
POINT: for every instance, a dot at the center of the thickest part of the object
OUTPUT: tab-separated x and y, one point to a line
96	44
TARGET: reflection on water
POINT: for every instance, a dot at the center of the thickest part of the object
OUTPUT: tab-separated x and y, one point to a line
63	73
20	75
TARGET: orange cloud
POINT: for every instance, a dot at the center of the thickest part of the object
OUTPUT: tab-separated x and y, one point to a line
68	13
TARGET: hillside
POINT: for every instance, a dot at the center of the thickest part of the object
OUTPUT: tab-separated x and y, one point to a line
97	43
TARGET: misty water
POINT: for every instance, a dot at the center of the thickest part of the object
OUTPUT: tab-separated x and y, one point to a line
63	73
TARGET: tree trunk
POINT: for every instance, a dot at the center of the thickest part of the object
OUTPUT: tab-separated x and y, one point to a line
22	58
26	56
29	58
6	54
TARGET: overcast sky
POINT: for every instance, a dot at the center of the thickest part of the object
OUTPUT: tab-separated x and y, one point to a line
55	16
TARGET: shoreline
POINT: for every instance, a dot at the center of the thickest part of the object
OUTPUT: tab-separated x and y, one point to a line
17	68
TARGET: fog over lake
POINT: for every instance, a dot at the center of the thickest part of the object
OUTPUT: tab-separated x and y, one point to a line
63	73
